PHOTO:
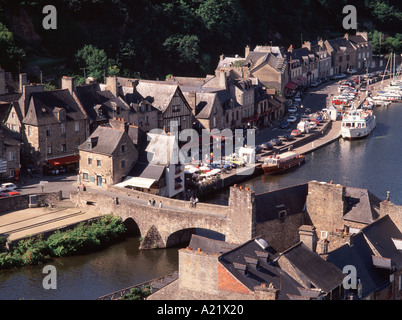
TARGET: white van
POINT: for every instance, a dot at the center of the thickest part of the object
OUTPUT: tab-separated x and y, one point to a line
303	126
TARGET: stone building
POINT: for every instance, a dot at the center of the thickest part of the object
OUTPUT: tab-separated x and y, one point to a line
363	48
324	59
53	127
342	53
9	155
107	156
165	97
216	270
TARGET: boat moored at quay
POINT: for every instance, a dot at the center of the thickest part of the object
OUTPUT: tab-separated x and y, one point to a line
282	162
357	124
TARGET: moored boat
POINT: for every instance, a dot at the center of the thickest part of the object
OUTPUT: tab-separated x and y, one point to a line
358	124
282	162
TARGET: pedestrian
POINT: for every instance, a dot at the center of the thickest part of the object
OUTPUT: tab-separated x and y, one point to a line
192	202
195	202
149	202
160	204
84	188
78	189
153	202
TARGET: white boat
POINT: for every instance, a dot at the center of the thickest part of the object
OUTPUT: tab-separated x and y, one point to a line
357	124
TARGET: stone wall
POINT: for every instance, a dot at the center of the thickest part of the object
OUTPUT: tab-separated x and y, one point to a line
22	201
198	271
394	212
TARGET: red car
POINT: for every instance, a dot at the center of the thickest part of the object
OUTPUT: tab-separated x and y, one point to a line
315	121
13	193
296	133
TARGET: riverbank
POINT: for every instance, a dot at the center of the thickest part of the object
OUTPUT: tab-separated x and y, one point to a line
84	238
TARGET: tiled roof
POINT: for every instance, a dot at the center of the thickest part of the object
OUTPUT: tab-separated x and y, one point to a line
320	273
44	104
361	205
106	140
266	272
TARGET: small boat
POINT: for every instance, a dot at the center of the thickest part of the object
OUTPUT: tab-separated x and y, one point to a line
282	162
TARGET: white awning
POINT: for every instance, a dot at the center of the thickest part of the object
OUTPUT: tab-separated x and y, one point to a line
136	182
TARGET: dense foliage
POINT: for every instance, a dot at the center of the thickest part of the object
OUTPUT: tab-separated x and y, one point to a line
138	293
83	238
153	38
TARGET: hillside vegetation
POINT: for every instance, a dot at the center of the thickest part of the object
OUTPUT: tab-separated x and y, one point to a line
153	38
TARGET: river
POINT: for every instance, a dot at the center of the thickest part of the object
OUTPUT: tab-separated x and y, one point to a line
373	163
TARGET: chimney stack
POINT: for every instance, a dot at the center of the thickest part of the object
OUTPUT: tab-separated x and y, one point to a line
223	80
23	81
68	83
308	237
247	51
112	85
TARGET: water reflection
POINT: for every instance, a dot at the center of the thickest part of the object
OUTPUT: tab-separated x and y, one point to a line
90	276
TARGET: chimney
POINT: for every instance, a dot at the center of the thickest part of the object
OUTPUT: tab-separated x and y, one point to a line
264	292
242	268
263	255
112	85
223	79
192	101
23	81
308	237
118	123
247	51
221	57
68	83
2	81
252	262
307	44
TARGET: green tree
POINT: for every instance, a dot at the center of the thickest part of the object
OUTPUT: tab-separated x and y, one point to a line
94	60
10	53
186	47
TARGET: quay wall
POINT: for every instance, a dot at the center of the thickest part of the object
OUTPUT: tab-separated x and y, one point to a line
21	202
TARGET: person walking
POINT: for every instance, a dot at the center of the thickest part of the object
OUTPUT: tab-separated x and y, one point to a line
195	202
153	202
160	204
192	202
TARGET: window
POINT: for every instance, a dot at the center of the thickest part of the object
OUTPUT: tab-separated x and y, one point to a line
29	131
123	164
63	128
340	59
11	173
85	176
77	126
48	132
98	163
324	234
123	148
63	147
176	108
89	161
13	115
49	149
11	155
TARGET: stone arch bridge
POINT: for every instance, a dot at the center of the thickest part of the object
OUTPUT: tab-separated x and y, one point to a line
164	227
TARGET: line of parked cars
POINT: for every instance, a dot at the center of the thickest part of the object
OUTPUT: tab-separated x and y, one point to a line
8	190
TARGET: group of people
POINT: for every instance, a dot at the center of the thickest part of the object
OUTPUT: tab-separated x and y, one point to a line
193	202
153	202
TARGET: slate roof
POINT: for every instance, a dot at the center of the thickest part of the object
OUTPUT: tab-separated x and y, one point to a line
380	235
357	39
4	111
359	255
268	205
338	43
267	272
8	137
320	273
255	58
91	96
205	102
11	97
158	93
361	205
210	246
146	170
106	140
44	103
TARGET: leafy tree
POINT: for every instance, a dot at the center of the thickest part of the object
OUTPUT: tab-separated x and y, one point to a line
94	60
186	47
11	54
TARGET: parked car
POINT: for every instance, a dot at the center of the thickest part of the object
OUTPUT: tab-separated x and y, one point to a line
296	133
339	76
315	121
324	80
4	194
315	83
276	142
292	109
258	149
351	71
304	117
13	193
295	104
285	124
291	119
363	88
319	119
8	187
286	137
267	146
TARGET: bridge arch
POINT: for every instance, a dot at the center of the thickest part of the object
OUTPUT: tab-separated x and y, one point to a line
182	237
132	227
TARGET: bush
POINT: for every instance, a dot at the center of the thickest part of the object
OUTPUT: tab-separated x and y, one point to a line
83	238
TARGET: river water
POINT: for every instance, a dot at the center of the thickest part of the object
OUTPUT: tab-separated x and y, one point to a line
373	163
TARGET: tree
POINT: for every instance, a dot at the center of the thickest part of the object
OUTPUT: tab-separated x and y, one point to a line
94	60
186	47
10	53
